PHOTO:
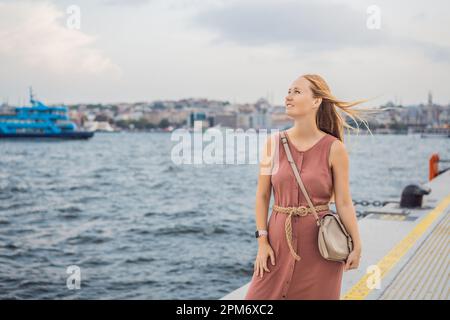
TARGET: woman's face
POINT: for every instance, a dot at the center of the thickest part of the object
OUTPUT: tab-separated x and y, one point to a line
299	100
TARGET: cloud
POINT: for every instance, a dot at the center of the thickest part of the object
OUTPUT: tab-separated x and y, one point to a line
319	25
434	52
305	27
34	35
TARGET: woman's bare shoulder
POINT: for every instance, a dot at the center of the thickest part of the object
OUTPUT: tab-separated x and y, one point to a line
338	152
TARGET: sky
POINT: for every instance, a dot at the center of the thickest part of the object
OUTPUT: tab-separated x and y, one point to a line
112	51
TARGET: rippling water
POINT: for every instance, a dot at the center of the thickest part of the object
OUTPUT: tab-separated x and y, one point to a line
140	226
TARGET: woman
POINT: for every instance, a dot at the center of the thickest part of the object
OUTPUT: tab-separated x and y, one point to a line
296	269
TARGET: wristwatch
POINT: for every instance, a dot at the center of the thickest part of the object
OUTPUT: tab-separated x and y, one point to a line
259	233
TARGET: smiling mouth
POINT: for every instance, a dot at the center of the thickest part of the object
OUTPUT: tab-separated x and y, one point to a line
289	106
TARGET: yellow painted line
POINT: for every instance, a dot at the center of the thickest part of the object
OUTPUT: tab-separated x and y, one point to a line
361	290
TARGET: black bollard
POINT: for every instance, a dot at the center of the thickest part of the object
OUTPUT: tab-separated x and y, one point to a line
412	196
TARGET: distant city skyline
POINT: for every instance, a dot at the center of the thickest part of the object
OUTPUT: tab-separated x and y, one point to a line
396	102
236	51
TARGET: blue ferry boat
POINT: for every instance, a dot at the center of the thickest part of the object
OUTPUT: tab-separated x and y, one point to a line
40	121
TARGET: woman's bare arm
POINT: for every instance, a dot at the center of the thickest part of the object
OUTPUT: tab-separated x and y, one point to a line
343	200
264	189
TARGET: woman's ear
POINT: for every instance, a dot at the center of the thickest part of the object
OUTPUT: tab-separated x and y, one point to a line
317	102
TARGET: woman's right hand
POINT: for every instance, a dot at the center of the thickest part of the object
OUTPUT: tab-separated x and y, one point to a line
264	252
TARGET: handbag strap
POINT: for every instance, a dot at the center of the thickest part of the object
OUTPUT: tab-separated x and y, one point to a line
297	176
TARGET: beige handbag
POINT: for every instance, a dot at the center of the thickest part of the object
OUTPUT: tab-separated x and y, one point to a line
334	242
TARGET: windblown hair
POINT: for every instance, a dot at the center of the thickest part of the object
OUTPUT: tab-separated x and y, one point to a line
332	112
330	117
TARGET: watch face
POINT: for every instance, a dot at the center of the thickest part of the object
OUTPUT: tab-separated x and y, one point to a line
256	234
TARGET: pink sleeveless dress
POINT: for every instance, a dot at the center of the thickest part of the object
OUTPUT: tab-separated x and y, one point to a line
312	277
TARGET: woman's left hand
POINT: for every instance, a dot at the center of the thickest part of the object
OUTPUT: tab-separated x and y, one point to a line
353	260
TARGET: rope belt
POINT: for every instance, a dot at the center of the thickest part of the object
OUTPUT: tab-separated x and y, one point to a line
296	211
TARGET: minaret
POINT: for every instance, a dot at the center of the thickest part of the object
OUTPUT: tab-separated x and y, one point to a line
432	111
31	96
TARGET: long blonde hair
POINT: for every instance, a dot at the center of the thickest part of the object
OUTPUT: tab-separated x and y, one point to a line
329	118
